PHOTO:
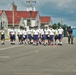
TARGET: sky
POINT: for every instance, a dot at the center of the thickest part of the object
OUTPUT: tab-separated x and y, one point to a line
56	9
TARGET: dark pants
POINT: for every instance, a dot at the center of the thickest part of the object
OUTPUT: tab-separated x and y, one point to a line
70	39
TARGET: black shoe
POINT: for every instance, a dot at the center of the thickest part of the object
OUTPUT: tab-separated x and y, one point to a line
48	43
60	44
44	44
37	44
40	43
72	43
2	43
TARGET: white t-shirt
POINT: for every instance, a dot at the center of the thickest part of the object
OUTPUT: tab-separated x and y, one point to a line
46	31
56	32
28	31
20	32
60	31
2	31
42	32
24	32
51	31
13	31
36	32
39	31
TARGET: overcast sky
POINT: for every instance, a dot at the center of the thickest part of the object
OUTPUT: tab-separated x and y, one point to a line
57	9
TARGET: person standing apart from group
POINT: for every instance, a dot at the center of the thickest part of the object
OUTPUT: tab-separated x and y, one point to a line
70	35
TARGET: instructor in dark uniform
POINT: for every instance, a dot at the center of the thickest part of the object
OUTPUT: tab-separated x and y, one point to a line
70	35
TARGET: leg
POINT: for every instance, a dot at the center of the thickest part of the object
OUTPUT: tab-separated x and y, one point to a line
68	39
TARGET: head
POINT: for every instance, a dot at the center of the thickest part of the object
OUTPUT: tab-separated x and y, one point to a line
25	28
35	27
13	27
2	28
69	27
46	27
60	27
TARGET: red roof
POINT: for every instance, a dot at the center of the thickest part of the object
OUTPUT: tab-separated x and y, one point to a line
45	19
18	15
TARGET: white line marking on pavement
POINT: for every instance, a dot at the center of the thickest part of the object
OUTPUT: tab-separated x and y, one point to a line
10	47
4	57
36	51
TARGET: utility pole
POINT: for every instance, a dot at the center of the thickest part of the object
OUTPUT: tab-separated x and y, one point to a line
61	22
31	5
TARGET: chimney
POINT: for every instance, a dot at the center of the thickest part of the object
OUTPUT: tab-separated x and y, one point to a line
34	9
27	9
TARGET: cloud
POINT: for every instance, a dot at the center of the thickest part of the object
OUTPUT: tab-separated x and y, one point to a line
57	9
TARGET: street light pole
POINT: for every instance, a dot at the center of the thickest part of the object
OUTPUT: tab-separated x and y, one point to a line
31	9
30	17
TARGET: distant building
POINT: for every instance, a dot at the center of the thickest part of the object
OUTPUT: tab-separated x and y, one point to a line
45	21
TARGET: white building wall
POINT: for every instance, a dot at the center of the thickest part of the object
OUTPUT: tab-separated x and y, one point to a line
38	21
4	21
33	23
25	22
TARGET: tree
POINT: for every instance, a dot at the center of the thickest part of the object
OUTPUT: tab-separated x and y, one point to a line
54	26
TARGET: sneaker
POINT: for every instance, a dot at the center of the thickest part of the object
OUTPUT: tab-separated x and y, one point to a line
2	43
44	44
72	43
60	44
51	44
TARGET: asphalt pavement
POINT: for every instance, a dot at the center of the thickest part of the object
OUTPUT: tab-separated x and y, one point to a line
38	60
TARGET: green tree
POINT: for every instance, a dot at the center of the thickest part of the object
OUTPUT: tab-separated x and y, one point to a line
54	26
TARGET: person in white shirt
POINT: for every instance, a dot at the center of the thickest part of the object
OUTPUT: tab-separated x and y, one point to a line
13	36
35	38
56	35
60	32
42	37
2	36
29	37
20	36
51	37
10	35
25	36
46	36
39	36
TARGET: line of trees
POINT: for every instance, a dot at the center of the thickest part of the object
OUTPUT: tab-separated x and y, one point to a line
54	26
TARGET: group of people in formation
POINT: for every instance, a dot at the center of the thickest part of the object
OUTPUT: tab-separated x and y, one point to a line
44	36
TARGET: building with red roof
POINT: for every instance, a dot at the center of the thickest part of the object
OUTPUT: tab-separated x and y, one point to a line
45	20
28	18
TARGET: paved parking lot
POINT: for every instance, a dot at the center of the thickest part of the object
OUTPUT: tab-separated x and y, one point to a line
38	60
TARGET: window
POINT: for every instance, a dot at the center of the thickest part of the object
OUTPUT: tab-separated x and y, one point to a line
28	22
